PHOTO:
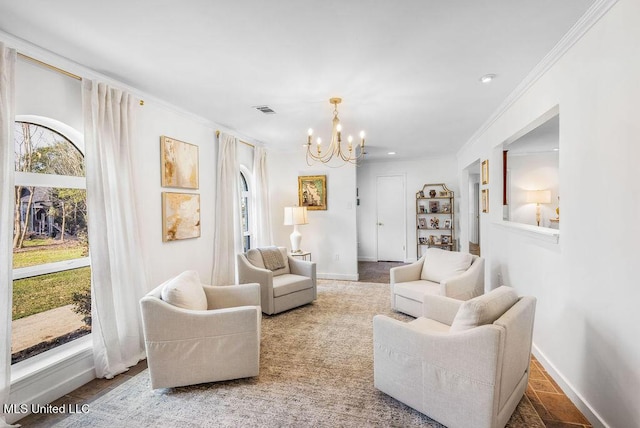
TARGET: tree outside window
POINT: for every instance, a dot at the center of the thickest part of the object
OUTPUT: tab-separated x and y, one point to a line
50	262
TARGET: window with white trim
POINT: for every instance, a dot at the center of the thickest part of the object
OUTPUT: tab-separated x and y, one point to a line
51	266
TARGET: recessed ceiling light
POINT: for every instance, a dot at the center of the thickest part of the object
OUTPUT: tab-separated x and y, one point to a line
487	78
391	153
556	149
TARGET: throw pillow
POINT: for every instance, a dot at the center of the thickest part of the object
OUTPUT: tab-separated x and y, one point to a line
185	291
442	264
484	309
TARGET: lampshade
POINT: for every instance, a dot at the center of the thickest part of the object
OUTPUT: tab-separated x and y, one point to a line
295	215
539	196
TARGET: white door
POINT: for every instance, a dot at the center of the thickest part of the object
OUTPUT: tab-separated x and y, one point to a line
391	206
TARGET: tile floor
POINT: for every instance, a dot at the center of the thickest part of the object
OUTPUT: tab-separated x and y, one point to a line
553	406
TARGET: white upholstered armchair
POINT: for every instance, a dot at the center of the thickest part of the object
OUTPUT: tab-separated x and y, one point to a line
197	333
464	364
287	287
446	273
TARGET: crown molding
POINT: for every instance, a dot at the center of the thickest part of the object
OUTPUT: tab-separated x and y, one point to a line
584	24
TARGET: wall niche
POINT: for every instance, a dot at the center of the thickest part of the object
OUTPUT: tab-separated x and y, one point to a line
531	191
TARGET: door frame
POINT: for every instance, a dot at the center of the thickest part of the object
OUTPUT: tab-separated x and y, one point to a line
404	212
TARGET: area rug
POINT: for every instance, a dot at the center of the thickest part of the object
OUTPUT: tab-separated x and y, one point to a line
316	370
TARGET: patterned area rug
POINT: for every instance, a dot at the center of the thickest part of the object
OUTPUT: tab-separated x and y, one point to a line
316	370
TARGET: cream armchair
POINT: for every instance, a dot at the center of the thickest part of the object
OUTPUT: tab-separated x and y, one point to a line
281	289
441	272
198	333
464	364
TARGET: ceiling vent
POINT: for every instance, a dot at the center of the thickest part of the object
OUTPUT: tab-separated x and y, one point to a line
265	109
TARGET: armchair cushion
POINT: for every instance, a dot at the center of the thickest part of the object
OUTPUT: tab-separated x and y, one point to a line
289	283
484	309
185	291
416	290
441	264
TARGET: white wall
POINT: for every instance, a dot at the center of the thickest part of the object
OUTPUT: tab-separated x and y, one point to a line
331	234
587	326
166	259
42	92
417	173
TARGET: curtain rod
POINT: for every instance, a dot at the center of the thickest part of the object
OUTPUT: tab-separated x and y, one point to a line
243	142
52	67
57	69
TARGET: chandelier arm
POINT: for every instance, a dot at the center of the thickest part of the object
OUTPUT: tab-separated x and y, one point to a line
334	149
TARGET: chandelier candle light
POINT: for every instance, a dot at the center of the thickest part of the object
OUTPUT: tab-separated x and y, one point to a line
349	155
293	216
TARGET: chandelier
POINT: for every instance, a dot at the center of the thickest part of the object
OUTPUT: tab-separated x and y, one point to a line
351	154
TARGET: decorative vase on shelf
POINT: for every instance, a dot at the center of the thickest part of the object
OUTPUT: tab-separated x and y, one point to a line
432	193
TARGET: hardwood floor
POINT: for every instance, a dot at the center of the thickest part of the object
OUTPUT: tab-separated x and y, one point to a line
551	404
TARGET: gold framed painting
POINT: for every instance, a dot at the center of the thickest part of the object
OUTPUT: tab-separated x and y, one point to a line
485	200
312	192
179	163
485	171
180	216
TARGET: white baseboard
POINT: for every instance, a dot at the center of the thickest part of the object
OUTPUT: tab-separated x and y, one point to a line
338	276
576	398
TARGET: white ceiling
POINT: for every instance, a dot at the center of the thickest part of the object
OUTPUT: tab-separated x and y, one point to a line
408	71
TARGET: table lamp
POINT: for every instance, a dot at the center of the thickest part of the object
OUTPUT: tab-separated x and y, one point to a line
293	216
539	197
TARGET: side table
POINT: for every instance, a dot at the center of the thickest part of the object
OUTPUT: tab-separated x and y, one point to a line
304	255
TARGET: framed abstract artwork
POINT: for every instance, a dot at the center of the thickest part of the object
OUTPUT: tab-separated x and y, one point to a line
179	163
312	192
180	216
485	200
485	171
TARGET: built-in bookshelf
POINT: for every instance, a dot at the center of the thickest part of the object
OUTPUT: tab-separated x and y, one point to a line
435	225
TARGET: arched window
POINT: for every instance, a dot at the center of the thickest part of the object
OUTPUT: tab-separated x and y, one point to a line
51	273
245	211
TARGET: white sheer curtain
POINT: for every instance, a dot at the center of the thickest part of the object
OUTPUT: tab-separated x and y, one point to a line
117	274
7	193
261	229
227	229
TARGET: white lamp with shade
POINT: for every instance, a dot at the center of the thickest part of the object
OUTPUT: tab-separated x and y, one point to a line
293	216
539	197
